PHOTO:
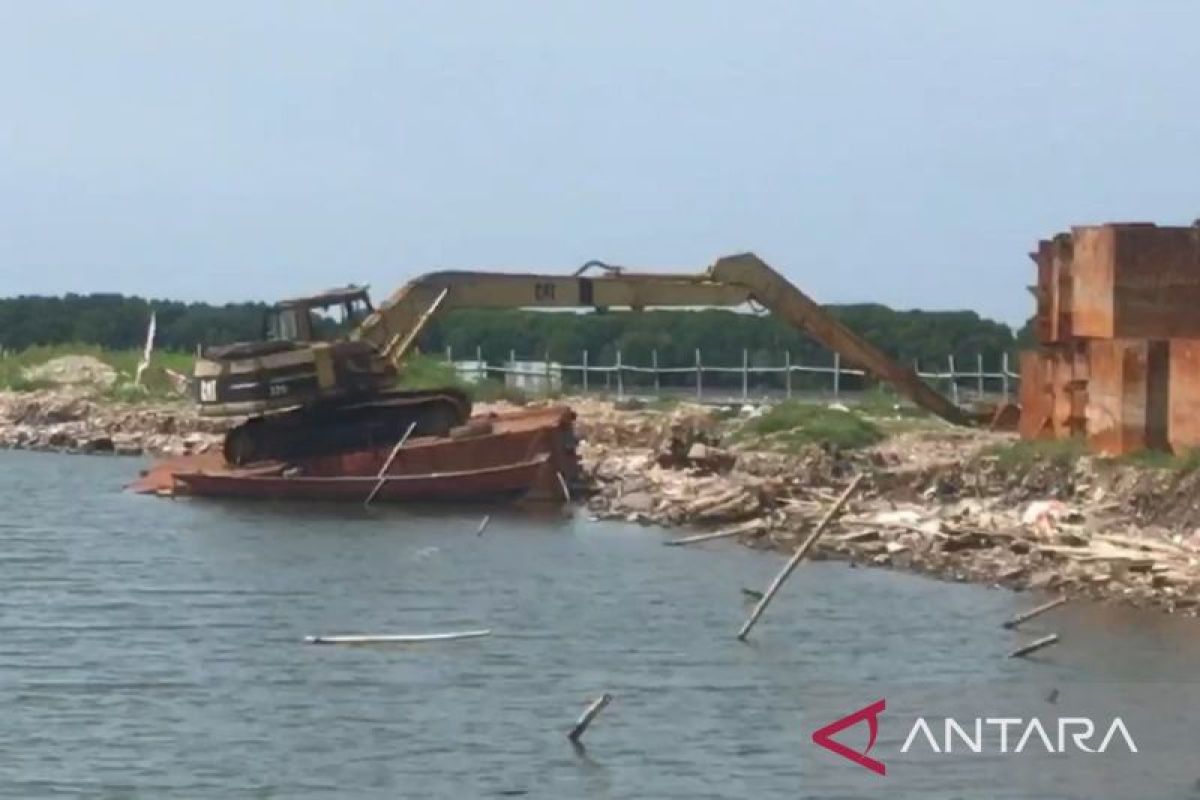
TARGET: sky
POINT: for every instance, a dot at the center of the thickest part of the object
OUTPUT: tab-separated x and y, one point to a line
909	153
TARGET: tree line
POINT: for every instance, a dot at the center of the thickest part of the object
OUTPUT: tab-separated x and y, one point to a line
119	322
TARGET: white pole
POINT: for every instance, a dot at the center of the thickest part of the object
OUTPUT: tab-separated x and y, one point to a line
745	374
480	367
787	372
837	374
1004	373
979	373
585	371
699	376
654	361
620	378
953	382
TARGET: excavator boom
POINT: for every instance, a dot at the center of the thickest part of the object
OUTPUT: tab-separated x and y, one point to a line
393	329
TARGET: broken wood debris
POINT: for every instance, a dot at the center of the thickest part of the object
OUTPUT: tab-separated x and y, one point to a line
942	505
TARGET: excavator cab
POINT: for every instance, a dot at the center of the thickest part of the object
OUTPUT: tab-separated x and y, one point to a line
319	318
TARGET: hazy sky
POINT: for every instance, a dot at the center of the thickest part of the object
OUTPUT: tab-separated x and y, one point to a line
904	152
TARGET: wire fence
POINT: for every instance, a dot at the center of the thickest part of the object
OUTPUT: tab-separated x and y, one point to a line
718	383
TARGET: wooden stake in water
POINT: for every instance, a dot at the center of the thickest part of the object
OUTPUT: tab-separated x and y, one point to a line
1034	612
388	464
589	714
794	561
1034	646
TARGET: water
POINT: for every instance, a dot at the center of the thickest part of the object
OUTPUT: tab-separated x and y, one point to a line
151	648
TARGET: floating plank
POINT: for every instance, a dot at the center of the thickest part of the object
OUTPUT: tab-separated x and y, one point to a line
398	638
754	525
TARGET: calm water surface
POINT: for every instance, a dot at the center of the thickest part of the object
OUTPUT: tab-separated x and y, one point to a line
151	648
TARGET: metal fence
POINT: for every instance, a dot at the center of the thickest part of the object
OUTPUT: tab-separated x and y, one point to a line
714	383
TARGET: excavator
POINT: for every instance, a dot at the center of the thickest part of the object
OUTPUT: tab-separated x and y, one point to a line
324	377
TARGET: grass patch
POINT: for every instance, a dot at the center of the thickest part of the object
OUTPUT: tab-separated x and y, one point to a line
882	402
1183	463
425	372
1024	454
796	423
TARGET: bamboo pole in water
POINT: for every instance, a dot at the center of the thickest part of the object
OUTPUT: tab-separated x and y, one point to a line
1022	618
794	561
1034	646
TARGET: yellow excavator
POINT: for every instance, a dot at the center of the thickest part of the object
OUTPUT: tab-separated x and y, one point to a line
324	377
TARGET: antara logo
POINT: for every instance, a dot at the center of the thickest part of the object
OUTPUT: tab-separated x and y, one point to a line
870	714
1005	735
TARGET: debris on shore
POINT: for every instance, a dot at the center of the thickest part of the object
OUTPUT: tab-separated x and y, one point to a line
74	421
1084	528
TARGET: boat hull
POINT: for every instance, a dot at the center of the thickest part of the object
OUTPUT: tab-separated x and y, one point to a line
527	455
532	479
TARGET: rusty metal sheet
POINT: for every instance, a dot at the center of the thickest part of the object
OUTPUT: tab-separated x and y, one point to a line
1136	280
1183	427
1127	395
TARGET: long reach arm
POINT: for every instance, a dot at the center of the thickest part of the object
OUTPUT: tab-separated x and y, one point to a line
731	281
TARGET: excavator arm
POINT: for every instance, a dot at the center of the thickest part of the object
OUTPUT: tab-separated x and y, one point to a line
732	281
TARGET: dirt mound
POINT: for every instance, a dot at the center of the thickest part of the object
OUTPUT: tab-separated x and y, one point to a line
74	370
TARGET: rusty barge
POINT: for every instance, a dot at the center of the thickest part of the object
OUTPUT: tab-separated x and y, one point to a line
516	456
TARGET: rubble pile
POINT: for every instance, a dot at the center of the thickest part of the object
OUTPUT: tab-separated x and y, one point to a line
67	421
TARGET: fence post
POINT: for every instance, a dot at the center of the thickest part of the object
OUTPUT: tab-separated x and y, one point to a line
787	372
699	378
546	366
518	381
953	382
585	372
620	379
654	361
449	354
837	375
480	367
1004	373
979	373
745	374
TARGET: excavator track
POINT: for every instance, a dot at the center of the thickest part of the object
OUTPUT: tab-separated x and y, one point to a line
327	428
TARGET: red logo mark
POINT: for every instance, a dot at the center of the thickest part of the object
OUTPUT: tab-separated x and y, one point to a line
824	736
